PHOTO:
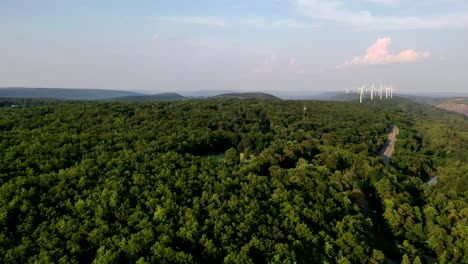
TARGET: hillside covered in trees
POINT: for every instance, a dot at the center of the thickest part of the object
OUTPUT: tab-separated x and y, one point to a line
257	95
63	93
148	98
231	181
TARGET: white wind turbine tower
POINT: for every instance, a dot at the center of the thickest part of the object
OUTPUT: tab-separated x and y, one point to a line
381	88
372	92
386	91
361	93
391	91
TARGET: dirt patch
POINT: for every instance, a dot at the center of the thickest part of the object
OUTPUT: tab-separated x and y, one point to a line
459	105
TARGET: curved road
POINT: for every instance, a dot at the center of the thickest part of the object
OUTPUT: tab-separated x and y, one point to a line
389	146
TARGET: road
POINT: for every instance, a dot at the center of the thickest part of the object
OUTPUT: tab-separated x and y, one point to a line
389	146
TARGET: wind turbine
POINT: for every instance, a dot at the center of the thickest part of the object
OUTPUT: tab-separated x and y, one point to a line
391	91
386	91
372	92
361	93
381	87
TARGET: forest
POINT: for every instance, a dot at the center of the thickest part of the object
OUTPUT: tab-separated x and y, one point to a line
231	181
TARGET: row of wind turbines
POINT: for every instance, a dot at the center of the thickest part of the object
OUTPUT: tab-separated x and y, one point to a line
363	91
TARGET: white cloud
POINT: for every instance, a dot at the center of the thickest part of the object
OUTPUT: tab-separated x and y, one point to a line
269	65
193	20
253	22
292	61
290	23
378	53
336	11
384	2
258	23
274	64
261	23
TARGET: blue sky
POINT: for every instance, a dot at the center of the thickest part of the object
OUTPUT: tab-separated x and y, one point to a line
282	46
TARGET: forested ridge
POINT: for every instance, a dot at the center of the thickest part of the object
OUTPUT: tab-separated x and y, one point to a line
231	181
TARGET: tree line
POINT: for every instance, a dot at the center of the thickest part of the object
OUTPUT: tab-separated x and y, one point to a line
231	181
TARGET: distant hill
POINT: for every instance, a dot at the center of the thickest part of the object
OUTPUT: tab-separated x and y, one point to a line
263	96
205	93
459	105
21	102
62	93
146	98
336	96
328	96
424	99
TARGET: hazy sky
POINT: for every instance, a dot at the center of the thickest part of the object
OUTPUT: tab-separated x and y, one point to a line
258	45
